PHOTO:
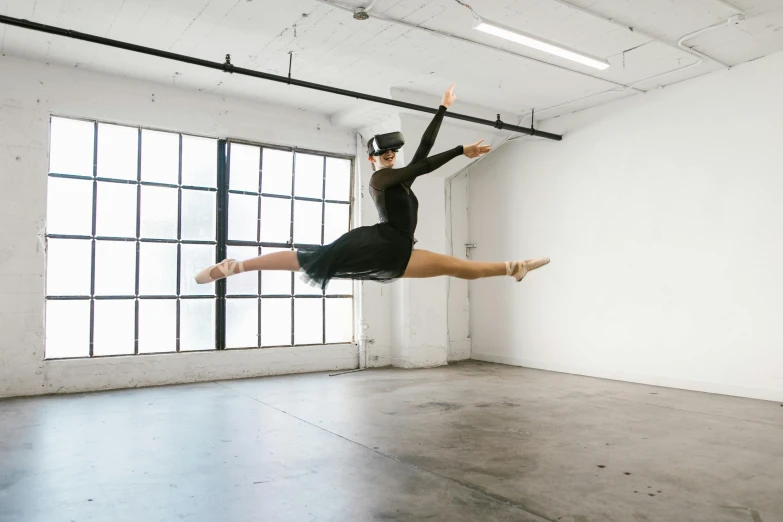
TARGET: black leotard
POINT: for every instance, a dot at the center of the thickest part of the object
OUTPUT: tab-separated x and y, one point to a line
391	188
379	252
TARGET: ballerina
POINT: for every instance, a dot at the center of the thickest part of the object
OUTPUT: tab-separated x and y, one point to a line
384	252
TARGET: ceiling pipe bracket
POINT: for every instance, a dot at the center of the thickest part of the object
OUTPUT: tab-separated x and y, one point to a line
228	67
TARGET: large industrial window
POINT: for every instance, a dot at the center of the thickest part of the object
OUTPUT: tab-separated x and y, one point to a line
134	213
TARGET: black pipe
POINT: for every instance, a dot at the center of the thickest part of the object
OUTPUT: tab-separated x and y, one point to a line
230	68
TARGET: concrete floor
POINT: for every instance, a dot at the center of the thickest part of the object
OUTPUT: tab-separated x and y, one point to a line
469	442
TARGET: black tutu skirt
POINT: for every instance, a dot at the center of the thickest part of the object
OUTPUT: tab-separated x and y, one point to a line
375	253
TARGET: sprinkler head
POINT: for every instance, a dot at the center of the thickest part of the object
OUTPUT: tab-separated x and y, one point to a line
361	15
736	19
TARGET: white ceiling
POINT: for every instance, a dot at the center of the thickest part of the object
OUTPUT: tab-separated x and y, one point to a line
388	59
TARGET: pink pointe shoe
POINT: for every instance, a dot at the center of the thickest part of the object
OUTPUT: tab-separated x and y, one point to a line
226	267
519	269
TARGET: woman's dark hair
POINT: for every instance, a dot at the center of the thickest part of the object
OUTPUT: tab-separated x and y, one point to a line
369	150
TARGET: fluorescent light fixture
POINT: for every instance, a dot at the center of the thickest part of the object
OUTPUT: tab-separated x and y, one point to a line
540	44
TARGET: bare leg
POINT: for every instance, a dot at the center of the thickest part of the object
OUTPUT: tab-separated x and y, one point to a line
276	261
424	263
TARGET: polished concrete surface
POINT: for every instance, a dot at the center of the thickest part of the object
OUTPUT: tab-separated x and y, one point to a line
469	442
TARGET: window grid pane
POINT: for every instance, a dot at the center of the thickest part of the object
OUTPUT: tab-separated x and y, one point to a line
308	321
114	329
338	179
157	325
276	316
71	150
244	167
67	329
118	152
160	157
199	162
69	206
309	176
242	320
126	222
276	172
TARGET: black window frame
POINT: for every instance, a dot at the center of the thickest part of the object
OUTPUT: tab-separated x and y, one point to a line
223	225
221	241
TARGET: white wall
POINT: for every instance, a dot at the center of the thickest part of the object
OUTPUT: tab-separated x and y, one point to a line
458	295
29	93
424	308
662	215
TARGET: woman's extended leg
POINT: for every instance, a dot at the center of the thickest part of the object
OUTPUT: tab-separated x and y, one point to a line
424	263
275	261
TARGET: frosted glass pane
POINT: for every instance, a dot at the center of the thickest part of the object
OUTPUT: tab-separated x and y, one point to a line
242	217
339	287
67	329
115	268
69	207
118	152
241	323
244	164
246	283
275	282
160	156
276	322
116	216
68	267
199	161
307	222
195	258
309	181
276	171
336	221
159	210
338	179
115	327
157	326
275	220
72	147
158	269
199	215
308	321
339	320
197	324
303	288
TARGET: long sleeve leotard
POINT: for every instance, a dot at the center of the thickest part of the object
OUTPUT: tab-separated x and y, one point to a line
391	188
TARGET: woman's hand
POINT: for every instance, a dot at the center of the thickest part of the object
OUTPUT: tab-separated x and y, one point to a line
475	150
448	97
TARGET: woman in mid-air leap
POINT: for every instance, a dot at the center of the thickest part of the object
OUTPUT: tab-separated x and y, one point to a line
384	252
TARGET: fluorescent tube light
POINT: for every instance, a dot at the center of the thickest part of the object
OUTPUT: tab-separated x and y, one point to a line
540	44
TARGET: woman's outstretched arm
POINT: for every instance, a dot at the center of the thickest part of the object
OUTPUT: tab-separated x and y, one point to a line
429	136
385	178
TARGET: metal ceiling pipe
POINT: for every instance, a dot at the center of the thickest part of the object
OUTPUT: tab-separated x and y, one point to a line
734	20
228	67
